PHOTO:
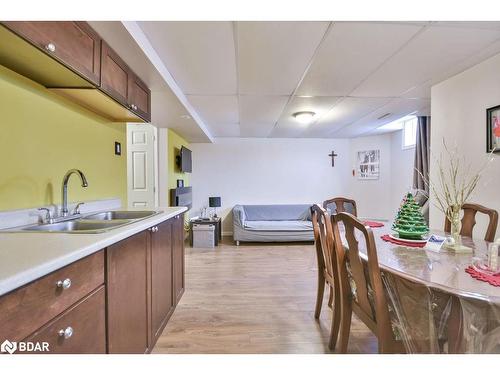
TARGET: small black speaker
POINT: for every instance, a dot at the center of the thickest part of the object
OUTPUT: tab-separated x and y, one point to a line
180	183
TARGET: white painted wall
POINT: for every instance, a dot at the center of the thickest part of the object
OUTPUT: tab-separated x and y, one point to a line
458	108
267	171
372	196
401	169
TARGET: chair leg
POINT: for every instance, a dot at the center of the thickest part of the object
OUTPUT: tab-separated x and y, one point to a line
345	327
330	299
319	297
334	332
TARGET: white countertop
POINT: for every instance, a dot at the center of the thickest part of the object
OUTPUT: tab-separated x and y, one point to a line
25	257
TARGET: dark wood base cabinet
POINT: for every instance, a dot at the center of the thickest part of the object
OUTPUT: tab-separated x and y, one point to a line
117	300
145	280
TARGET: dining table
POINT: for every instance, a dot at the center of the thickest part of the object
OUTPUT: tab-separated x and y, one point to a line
435	306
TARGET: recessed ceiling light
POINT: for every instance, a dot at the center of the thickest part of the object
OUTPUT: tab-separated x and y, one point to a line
304	117
186	117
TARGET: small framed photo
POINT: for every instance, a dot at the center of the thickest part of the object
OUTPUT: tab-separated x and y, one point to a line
493	129
368	165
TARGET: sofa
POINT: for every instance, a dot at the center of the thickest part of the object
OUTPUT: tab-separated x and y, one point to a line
272	223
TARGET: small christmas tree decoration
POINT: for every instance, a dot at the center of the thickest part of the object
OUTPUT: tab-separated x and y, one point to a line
409	222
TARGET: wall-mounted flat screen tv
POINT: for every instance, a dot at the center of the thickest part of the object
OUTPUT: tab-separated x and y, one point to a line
184	160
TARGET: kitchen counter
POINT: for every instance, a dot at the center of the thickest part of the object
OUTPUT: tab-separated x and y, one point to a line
25	257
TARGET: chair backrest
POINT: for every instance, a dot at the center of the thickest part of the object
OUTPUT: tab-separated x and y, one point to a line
361	281
340	204
323	239
469	221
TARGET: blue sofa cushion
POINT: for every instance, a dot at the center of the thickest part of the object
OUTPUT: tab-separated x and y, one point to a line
277	212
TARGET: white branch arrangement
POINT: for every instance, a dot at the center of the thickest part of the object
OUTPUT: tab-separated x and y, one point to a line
455	183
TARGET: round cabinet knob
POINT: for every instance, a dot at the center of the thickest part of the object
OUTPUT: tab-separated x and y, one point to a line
65	284
51	47
66	333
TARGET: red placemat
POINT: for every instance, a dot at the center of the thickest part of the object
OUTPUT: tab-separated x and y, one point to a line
478	275
388	238
373	224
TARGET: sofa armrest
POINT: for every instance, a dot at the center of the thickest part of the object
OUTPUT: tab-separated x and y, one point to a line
238	216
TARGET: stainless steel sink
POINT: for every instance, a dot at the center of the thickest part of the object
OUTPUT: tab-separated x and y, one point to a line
78	226
93	223
120	215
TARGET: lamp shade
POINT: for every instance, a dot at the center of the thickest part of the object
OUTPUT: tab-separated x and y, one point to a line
214	201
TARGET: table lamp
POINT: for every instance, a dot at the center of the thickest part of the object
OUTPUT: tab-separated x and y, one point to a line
214	202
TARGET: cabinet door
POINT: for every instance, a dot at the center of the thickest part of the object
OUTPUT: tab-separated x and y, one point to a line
139	97
162	299
178	256
114	75
127	295
73	43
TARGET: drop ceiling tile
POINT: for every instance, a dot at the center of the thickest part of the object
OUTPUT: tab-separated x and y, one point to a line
429	54
345	112
199	55
397	109
351	51
225	130
259	114
288	125
272	56
216	109
492	25
419	92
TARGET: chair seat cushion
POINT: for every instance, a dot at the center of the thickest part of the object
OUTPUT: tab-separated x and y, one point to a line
282	225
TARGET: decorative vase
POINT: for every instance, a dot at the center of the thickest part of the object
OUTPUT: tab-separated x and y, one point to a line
456	225
455	244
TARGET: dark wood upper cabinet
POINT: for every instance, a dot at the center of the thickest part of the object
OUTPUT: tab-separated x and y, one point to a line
121	83
139	98
162	299
75	44
128	297
114	75
178	256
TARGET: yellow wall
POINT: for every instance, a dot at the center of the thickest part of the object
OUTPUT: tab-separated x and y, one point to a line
42	136
175	142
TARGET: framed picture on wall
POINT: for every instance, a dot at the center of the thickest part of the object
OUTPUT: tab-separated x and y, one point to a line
368	165
493	129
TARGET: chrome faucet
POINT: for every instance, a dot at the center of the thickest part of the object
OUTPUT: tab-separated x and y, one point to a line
64	207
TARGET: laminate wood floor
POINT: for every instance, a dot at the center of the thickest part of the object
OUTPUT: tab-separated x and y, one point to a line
255	298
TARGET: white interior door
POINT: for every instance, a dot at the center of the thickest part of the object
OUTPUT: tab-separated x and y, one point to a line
141	165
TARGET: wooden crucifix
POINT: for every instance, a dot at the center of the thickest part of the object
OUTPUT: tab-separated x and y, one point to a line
332	155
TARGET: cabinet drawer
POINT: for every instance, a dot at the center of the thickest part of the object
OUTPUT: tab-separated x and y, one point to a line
79	330
73	43
28	308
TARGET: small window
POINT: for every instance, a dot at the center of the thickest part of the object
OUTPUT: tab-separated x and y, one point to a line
410	133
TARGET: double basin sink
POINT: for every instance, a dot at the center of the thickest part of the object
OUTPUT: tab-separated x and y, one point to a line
91	223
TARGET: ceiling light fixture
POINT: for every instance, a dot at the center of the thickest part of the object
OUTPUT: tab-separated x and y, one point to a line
304	117
186	117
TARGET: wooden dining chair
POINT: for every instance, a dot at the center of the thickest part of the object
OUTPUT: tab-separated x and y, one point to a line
340	204
327	269
361	287
469	221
